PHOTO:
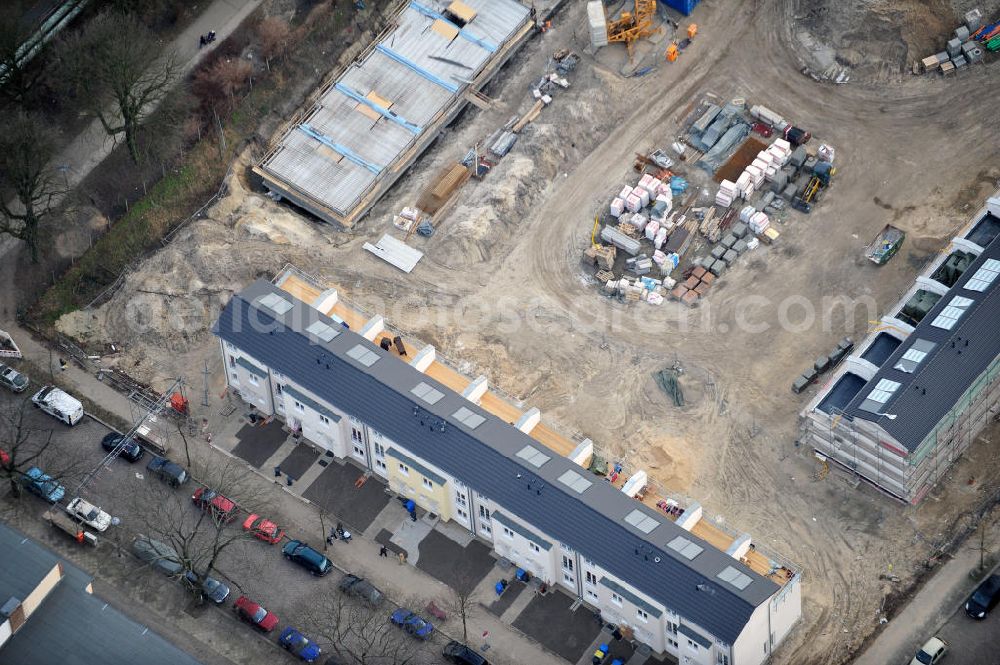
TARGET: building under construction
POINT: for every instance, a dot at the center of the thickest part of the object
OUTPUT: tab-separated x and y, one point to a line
361	131
904	406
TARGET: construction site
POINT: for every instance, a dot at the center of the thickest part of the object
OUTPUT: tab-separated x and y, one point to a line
460	178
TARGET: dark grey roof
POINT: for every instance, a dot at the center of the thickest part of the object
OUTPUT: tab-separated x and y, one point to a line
414	464
71	626
497	516
630	597
961	354
485	458
694	635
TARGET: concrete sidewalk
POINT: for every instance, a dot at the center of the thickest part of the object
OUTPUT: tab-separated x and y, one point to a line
926	612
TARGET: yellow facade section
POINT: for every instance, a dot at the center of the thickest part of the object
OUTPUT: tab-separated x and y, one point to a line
411	483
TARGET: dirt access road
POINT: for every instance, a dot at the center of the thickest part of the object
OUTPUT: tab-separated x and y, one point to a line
501	289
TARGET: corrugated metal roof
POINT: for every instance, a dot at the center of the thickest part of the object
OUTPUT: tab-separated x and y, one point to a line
591	522
303	162
71	626
961	354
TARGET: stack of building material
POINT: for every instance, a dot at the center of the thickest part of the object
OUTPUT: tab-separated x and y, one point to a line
694	287
620	240
601	256
642	195
597	24
728	192
758	223
651	229
650	184
633	203
639	222
661	237
617	206
745	186
767	116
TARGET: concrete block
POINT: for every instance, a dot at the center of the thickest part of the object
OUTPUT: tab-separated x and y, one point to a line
718	267
728	240
740	246
730	257
739	229
717	252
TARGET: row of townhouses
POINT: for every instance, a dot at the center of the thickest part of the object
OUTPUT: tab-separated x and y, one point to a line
545	512
917	390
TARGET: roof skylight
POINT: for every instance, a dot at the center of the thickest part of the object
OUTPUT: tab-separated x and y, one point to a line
952	313
575	481
685	547
427	393
914	355
641	521
469	418
275	303
735	578
984	276
322	330
533	456
363	355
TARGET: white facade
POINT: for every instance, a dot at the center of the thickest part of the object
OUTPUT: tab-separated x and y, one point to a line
659	627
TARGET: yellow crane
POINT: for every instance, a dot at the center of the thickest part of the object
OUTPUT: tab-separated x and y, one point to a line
632	26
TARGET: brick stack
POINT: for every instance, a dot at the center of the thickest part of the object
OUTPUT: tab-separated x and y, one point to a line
694	287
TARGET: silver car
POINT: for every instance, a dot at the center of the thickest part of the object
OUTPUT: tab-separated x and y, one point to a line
11	379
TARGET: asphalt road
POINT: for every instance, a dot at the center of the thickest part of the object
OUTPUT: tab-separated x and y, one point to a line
971	641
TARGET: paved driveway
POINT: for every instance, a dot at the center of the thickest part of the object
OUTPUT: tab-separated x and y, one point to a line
548	619
258	442
335	492
461	568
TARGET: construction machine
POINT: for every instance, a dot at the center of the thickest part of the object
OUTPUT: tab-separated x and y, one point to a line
632	26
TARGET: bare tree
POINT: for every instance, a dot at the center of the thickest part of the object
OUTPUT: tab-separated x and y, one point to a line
199	537
25	446
17	51
362	634
26	148
119	73
462	604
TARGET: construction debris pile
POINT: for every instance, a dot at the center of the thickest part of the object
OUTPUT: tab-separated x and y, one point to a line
966	47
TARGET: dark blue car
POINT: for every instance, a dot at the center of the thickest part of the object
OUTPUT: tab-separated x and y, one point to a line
299	644
412	623
42	484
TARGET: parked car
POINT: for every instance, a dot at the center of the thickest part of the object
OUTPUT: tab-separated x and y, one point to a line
40	483
131	451
11	379
263	529
458	653
160	556
58	404
360	587
210	587
174	474
89	514
984	598
300	553
412	623
299	644
222	508
255	614
931	653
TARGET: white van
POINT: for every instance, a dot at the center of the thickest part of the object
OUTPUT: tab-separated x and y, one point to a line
59	404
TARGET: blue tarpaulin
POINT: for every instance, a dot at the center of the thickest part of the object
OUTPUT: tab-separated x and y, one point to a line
683	6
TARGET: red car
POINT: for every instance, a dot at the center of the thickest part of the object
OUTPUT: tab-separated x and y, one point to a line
255	615
762	129
4	458
264	529
221	507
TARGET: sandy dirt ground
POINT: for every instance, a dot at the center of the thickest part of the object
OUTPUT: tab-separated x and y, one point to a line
502	290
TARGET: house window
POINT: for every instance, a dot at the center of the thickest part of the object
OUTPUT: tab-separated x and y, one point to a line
722	658
507	532
460	499
232	361
463	514
672	643
485	528
253	380
671	628
236	378
568	578
641	615
403	469
300	406
484	520
379	450
616	599
380	464
277	388
592	595
694	646
428	484
359	451
323	419
567	563
534	548
356	435
591	578
484	513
